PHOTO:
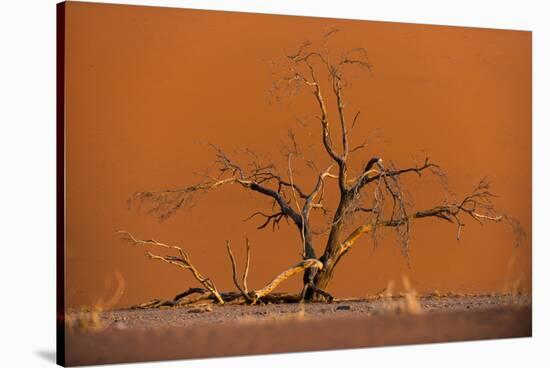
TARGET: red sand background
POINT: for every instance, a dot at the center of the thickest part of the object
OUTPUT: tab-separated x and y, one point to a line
145	86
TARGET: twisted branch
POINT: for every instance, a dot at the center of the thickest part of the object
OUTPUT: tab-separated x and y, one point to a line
303	265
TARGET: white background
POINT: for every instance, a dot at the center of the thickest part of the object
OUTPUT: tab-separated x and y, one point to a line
27	181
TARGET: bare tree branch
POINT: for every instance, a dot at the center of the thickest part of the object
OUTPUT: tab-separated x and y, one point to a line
246	267
165	203
365	178
478	206
303	227
182	261
234	268
273	218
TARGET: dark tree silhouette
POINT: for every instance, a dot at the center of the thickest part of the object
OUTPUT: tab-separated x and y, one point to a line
376	192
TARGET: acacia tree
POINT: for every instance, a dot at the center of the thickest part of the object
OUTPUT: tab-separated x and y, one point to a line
376	192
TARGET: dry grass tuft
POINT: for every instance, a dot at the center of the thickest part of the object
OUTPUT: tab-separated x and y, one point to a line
411	303
405	302
88	319
84	319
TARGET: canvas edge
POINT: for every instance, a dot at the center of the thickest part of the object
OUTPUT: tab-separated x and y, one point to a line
60	183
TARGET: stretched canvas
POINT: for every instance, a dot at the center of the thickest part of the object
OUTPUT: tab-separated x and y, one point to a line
236	183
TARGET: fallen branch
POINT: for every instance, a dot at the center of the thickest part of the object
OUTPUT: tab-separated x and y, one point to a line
210	292
182	261
302	266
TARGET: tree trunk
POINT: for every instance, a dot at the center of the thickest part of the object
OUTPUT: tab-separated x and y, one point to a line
331	256
324	276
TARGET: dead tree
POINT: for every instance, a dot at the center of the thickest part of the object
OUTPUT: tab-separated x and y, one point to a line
376	193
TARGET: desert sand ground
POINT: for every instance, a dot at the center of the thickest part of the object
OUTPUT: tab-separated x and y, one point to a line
210	330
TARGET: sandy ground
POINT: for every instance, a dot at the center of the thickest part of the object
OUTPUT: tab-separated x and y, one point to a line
191	332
